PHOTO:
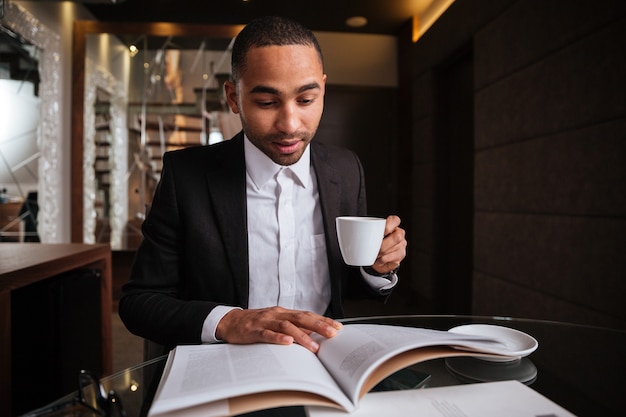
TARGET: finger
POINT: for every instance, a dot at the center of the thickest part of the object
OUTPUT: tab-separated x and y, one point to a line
392	222
397	235
393	252
298	336
270	336
301	336
392	258
311	322
394	242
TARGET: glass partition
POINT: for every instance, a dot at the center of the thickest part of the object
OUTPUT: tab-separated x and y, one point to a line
169	97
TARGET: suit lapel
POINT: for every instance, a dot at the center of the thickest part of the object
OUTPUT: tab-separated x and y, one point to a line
330	196
328	185
226	180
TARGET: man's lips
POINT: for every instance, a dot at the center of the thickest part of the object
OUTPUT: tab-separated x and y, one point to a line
287	147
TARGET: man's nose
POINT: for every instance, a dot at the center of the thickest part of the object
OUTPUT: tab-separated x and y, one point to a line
288	120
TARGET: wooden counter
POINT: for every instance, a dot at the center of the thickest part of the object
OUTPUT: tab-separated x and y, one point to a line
25	265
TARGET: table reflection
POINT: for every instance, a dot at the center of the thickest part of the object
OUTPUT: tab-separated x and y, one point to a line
579	367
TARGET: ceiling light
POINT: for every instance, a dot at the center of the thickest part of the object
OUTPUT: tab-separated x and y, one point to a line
356	21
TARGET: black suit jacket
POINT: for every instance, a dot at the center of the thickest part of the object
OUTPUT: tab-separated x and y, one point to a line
194	254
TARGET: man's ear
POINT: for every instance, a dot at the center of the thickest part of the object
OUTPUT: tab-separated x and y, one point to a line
231	96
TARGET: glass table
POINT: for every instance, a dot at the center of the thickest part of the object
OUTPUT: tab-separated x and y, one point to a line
582	368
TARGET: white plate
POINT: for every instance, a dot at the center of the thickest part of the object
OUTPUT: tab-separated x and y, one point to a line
517	344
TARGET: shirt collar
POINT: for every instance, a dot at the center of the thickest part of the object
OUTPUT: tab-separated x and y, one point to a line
261	168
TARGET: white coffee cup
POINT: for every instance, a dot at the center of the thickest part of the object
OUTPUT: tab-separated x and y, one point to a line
360	238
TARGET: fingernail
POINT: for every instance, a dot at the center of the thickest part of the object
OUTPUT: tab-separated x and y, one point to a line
314	346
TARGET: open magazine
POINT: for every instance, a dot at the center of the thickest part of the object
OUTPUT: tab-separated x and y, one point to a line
226	379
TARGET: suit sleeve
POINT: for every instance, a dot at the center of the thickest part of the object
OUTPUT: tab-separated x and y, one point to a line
152	305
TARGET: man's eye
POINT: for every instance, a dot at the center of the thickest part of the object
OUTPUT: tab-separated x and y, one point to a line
265	103
306	101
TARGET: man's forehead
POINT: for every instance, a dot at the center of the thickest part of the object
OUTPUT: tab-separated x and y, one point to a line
260	51
282	69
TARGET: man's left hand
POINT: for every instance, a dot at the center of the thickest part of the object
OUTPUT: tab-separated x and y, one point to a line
393	248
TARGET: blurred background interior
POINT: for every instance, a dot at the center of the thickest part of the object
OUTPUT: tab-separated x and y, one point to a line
494	128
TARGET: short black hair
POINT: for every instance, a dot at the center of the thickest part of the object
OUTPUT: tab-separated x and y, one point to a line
269	31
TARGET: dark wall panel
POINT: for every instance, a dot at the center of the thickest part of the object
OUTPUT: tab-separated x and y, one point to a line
576	259
530	30
420	282
580	172
579	85
423	141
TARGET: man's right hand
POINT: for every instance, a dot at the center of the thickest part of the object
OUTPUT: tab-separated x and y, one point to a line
275	325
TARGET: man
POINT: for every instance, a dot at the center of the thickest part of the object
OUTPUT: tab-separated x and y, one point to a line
240	242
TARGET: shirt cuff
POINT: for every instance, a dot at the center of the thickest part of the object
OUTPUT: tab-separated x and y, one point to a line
210	323
379	283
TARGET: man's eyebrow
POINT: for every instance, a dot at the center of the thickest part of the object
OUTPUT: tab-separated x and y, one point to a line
270	90
264	89
306	87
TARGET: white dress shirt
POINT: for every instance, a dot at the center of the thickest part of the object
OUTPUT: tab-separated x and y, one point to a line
288	264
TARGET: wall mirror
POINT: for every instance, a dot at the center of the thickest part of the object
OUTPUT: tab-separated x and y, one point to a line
159	89
29	128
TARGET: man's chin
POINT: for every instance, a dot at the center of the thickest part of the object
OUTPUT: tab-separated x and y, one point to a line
286	160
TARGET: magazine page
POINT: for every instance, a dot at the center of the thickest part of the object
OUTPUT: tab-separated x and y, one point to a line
488	399
358	349
208	373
